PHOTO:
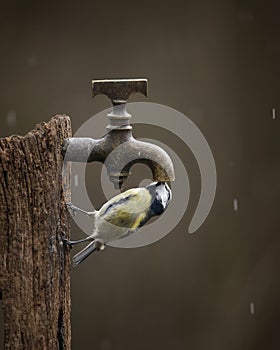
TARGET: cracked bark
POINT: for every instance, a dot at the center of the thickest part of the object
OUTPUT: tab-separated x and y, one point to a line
34	265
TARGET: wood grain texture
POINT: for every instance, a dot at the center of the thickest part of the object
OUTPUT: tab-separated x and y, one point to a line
34	265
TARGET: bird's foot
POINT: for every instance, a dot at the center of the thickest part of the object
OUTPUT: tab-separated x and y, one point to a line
71	243
67	242
72	209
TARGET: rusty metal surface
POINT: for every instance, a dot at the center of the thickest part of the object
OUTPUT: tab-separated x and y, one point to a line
119	90
118	165
119	162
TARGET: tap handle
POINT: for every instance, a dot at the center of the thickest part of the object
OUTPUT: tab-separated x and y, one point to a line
119	90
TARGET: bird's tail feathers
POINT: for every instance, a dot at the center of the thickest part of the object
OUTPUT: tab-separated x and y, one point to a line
83	254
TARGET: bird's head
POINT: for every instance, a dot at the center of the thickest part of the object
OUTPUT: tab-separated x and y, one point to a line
161	196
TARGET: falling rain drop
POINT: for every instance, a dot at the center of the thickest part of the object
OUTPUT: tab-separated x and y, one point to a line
235	204
273	113
252	308
11	118
76	181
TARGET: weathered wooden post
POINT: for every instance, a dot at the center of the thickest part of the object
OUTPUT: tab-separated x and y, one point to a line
34	265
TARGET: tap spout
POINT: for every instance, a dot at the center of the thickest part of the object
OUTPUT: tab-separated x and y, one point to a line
120	161
119	151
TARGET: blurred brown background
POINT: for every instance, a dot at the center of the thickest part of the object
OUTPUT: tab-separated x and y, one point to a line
218	63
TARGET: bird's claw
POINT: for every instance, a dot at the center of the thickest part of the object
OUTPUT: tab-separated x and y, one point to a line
67	242
72	209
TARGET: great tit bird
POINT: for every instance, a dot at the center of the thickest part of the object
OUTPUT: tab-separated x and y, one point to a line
122	215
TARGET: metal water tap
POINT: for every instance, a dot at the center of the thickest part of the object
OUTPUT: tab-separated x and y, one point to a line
120	134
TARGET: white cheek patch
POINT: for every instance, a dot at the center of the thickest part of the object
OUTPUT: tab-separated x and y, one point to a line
163	197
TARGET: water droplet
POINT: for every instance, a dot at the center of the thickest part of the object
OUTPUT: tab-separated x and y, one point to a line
235	204
11	118
273	113
76	180
252	308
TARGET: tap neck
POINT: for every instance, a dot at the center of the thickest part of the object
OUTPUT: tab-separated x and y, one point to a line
119	118
118	136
